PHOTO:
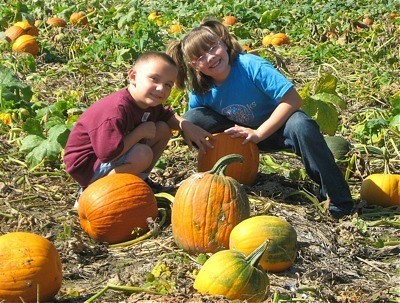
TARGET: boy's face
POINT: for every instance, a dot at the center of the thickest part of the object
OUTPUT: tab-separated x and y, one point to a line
151	82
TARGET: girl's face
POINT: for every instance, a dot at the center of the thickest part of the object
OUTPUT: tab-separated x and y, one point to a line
214	62
151	82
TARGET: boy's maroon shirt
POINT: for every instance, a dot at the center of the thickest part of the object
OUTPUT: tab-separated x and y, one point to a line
97	136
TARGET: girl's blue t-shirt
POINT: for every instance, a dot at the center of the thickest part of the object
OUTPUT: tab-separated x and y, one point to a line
249	94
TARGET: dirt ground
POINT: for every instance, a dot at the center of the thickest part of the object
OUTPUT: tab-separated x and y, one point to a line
337	261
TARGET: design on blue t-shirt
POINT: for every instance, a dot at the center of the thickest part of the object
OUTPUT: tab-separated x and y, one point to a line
239	113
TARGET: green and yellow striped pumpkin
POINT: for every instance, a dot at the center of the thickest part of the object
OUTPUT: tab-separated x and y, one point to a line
281	250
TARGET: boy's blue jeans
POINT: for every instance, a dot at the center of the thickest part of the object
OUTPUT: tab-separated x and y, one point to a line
302	135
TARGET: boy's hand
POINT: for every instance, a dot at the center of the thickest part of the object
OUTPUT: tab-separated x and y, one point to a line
243	132
196	136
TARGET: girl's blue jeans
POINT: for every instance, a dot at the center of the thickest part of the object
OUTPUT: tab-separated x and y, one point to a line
302	135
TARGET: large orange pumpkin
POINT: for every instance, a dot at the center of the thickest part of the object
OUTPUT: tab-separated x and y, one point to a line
115	208
245	172
30	268
25	44
30	29
207	206
381	189
56	22
281	250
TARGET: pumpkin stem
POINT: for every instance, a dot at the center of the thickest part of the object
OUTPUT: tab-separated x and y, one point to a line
221	165
256	255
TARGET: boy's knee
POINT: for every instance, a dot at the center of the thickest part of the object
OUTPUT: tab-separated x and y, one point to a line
164	129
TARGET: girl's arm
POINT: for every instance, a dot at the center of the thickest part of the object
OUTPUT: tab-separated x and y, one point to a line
289	103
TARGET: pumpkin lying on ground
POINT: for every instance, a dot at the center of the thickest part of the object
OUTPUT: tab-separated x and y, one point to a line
281	250
56	22
78	18
13	32
245	172
231	274
30	268
30	29
381	189
25	44
206	208
115	208
275	39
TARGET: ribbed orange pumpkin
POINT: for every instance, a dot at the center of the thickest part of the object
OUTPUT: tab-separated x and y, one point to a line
30	29
30	268
56	22
381	189
25	44
281	250
13	32
275	39
244	173
207	206
115	208
78	18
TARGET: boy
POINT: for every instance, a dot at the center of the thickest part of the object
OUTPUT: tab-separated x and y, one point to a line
128	130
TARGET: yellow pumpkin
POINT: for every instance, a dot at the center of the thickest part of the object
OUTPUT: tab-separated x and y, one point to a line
175	28
30	268
282	238
381	189
25	44
275	39
231	274
30	29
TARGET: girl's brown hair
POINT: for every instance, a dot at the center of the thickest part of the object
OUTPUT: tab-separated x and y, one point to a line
195	43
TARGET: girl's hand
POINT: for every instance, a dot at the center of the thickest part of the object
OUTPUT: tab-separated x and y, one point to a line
243	132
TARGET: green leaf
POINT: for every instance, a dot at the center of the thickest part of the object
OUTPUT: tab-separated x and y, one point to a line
59	134
326	84
45	150
395	122
324	114
269	16
33	127
331	98
30	142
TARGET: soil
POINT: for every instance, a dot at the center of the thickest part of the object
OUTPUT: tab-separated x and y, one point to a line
338	261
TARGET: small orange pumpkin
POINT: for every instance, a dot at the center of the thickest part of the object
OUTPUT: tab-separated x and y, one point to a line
13	32
30	29
224	144
116	207
275	39
381	189
229	20
207	206
56	22
78	18
25	44
30	268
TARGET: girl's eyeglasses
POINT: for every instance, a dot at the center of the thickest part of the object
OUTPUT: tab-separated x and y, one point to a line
202	60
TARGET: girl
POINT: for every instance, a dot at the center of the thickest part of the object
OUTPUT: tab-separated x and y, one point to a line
245	96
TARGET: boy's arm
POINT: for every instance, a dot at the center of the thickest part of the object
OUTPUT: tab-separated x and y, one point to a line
192	133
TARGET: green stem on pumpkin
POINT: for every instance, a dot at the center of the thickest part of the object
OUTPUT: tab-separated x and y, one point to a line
221	165
256	255
147	235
